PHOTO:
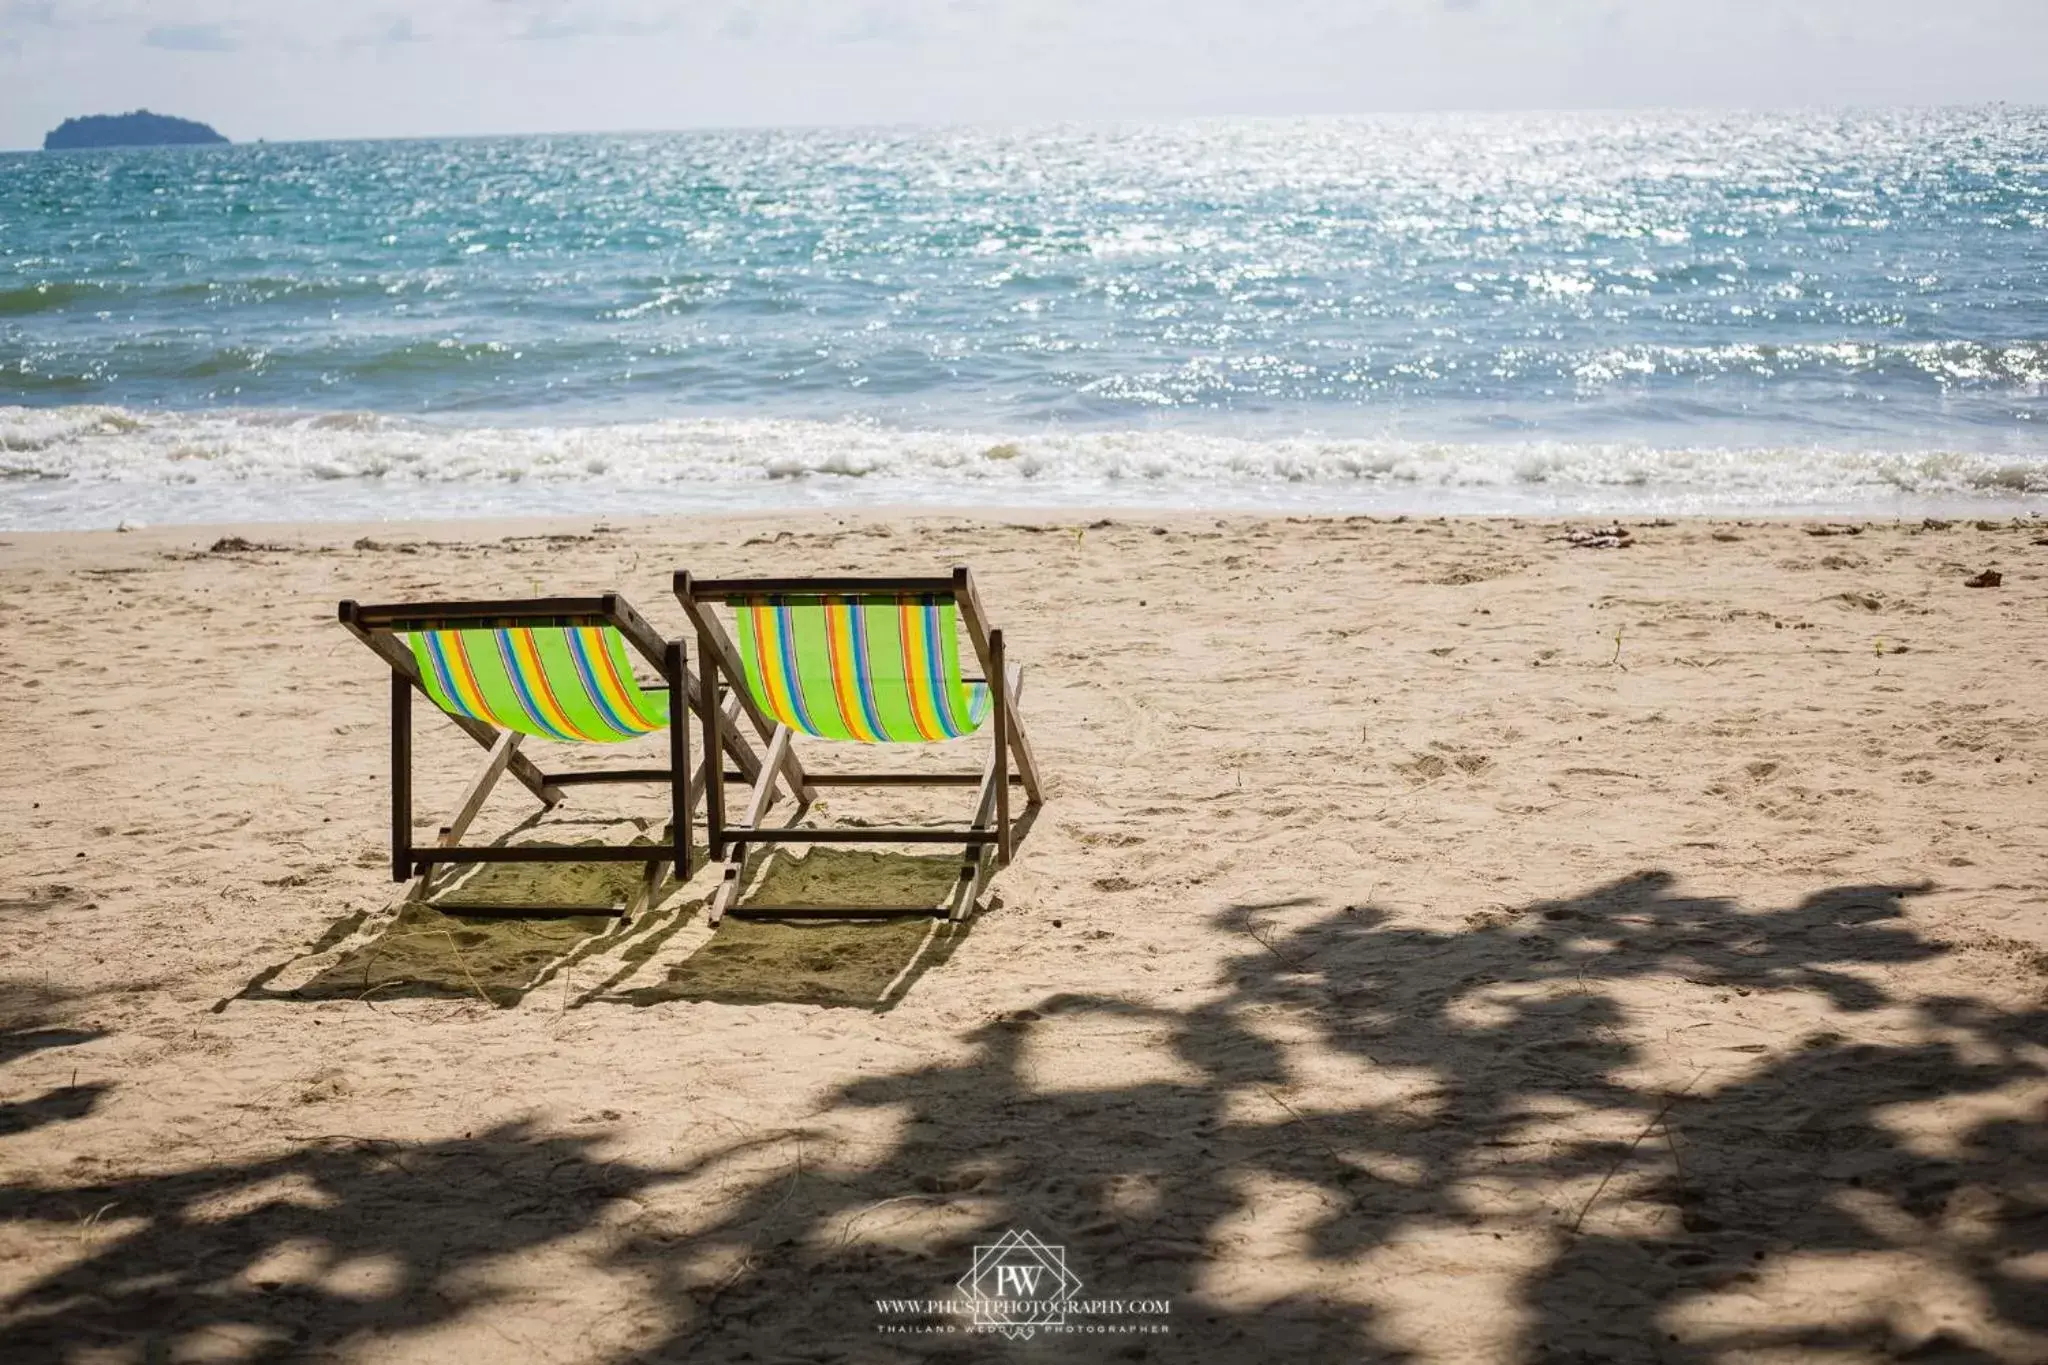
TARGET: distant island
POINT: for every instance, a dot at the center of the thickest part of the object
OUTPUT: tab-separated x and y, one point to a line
139	129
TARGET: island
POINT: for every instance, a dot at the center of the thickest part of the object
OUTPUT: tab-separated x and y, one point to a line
139	129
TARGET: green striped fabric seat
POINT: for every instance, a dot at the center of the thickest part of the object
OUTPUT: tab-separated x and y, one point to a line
570	683
872	670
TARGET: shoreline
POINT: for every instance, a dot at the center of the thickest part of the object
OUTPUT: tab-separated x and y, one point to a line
891	503
86	466
344	531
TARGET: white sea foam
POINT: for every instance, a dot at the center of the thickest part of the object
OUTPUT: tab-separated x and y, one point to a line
82	466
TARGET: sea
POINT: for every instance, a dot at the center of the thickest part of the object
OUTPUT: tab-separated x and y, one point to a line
1564	313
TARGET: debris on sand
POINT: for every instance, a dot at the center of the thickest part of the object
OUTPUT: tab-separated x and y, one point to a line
234	545
1613	536
1990	578
1836	530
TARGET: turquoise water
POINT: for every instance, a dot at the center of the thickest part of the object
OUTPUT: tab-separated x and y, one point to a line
1681	311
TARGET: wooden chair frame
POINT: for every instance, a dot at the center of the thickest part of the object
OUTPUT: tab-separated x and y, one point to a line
991	827
378	626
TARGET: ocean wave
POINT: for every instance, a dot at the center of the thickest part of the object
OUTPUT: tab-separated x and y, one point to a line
119	447
29	430
27	300
87	296
432	357
1885	388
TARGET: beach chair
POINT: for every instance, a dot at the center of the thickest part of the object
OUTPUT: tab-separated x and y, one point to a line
864	661
554	668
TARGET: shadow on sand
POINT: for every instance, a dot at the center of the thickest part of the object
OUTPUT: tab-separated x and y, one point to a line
1776	1205
475	937
851	963
28	1026
433	950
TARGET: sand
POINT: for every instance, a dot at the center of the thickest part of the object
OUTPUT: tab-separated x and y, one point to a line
1442	943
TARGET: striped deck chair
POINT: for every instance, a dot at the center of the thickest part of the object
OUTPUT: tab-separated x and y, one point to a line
864	661
552	668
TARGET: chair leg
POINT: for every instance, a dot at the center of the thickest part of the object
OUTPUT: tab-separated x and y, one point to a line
976	865
679	795
728	885
1020	740
651	875
466	810
480	787
975	862
757	807
401	778
999	689
713	717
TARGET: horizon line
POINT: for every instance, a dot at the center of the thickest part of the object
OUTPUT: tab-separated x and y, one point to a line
1020	124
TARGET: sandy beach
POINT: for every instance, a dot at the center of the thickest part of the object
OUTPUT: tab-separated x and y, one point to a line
1441	943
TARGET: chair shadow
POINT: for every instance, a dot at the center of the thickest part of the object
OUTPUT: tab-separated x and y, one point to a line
840	955
492	933
495	933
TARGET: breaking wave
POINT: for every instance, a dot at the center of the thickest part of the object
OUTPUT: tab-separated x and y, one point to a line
55	462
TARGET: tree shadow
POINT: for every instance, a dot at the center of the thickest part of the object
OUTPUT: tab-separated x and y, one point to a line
1360	1112
1803	1163
335	1244
1514	1109
29	1024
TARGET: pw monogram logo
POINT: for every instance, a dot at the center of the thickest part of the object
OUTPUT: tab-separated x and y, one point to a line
1019	1284
1017	1281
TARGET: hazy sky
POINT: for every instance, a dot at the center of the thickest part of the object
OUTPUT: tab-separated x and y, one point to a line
348	68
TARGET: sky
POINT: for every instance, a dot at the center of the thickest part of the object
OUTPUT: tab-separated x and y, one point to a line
288	69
